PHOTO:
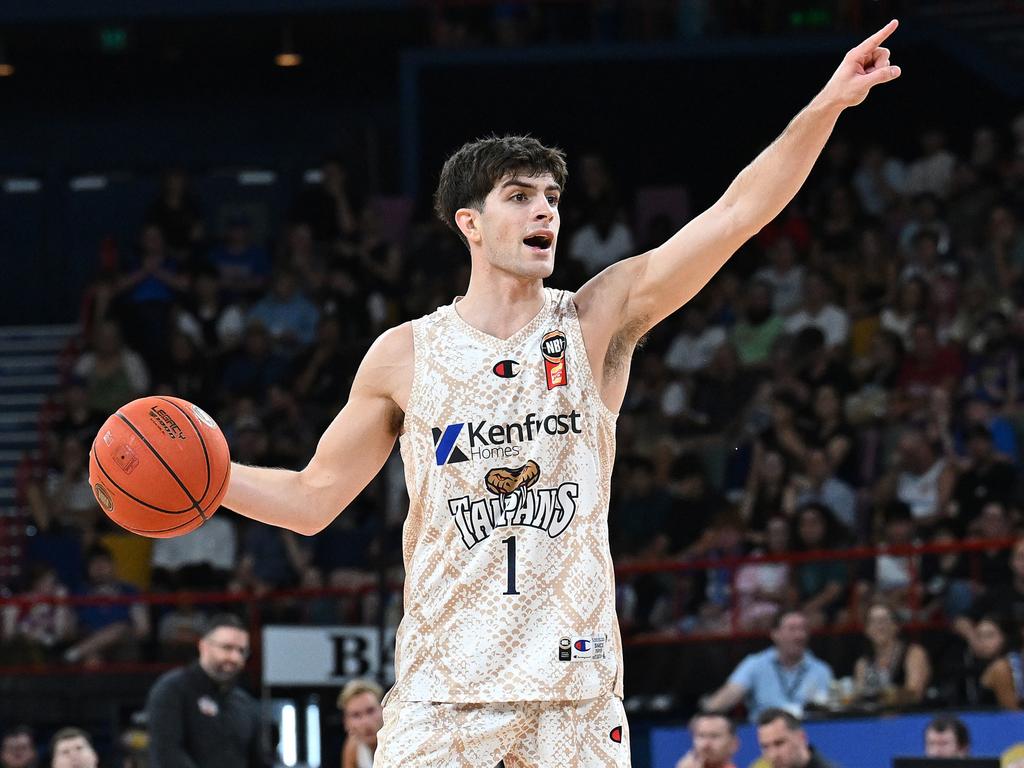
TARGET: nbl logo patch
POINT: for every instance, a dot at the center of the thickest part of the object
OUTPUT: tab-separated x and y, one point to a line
553	347
445	449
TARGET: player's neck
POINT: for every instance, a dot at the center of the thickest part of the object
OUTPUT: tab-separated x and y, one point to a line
500	306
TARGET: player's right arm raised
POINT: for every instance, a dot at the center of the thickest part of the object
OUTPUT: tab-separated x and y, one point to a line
350	453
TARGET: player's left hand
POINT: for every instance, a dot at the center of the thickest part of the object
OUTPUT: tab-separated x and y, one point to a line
862	69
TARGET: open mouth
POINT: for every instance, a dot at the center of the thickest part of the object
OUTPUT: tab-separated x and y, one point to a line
539	242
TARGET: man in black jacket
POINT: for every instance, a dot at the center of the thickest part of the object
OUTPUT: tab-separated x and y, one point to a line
198	717
784	742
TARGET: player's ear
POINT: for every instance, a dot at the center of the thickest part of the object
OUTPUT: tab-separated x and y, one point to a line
468	222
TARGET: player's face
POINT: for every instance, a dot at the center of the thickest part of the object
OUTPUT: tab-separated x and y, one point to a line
223	652
712	742
780	746
364	716
74	753
941	744
518	226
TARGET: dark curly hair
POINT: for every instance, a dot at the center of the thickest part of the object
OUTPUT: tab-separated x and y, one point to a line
471	172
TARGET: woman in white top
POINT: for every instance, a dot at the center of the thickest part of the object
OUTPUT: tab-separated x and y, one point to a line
359	702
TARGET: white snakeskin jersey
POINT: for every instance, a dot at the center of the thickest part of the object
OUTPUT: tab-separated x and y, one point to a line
508	451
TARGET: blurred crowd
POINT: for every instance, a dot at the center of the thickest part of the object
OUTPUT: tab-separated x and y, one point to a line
852	377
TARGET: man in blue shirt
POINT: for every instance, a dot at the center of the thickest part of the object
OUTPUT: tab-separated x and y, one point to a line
786	676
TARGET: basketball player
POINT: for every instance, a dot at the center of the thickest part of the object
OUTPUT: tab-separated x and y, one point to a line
504	404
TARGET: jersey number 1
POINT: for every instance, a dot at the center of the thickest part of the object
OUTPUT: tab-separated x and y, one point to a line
510	544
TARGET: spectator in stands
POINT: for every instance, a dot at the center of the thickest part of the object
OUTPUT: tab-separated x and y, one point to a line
892	671
243	266
602	236
818	311
63	500
980	414
76	418
834	434
966	673
920	479
18	749
190	374
947	736
759	328
359	702
1005	599
199	716
784	275
212	323
176	212
112	373
693	347
762	589
714	742
302	255
287	314
271	558
820	585
984	478
769	492
787	675
203	560
72	748
927	366
328	207
112	630
892	576
991	566
255	367
784	743
911	303
880	180
31	633
932	172
1004	677
819	485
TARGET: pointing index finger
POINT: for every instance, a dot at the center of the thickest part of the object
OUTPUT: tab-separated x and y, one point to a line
879	37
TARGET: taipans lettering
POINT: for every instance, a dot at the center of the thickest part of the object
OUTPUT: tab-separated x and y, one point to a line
546	509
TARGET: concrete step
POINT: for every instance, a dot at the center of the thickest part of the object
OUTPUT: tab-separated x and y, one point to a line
37	331
29	400
23	364
22	437
28	383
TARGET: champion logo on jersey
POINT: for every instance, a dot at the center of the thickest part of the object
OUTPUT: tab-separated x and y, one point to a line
616	734
582	645
553	347
506	369
445	449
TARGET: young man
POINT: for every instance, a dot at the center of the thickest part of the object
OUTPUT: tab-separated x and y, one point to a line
359	702
947	736
505	404
783	742
71	748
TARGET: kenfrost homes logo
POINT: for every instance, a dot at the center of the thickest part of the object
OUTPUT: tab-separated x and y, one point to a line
483	440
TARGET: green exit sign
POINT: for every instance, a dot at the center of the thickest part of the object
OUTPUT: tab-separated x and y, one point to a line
811	17
113	39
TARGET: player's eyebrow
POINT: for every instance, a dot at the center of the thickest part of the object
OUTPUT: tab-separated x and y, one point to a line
517	181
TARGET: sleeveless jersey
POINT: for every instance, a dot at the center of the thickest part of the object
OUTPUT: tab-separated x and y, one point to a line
508	452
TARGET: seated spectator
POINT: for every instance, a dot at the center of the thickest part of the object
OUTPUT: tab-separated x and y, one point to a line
932	172
714	742
179	630
947	736
979	414
76	418
784	743
892	672
784	275
693	347
834	433
759	327
289	317
243	266
1006	599
721	394
787	675
272	558
921	479
819	485
892	576
762	589
1004	677
769	492
18	749
984	478
817	311
203	560
723	540
72	748
602	236
820	585
176	212
31	633
255	367
879	180
991	566
302	255
966	683
359	702
911	303
948	589
190	374
212	323
113	374
926	366
328	207
63	500
112	630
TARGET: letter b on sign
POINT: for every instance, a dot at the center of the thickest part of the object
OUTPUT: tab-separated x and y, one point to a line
352	656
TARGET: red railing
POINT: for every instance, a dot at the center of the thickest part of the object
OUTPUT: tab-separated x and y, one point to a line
255	605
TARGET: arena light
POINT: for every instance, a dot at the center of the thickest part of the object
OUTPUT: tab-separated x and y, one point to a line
288	56
289	736
313	735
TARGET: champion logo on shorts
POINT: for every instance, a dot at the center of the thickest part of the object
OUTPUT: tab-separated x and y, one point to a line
616	734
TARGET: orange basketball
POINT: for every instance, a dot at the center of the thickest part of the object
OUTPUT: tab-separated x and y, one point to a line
159	467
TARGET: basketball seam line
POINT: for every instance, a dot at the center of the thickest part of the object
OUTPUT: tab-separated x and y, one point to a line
167	466
130	495
202	442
